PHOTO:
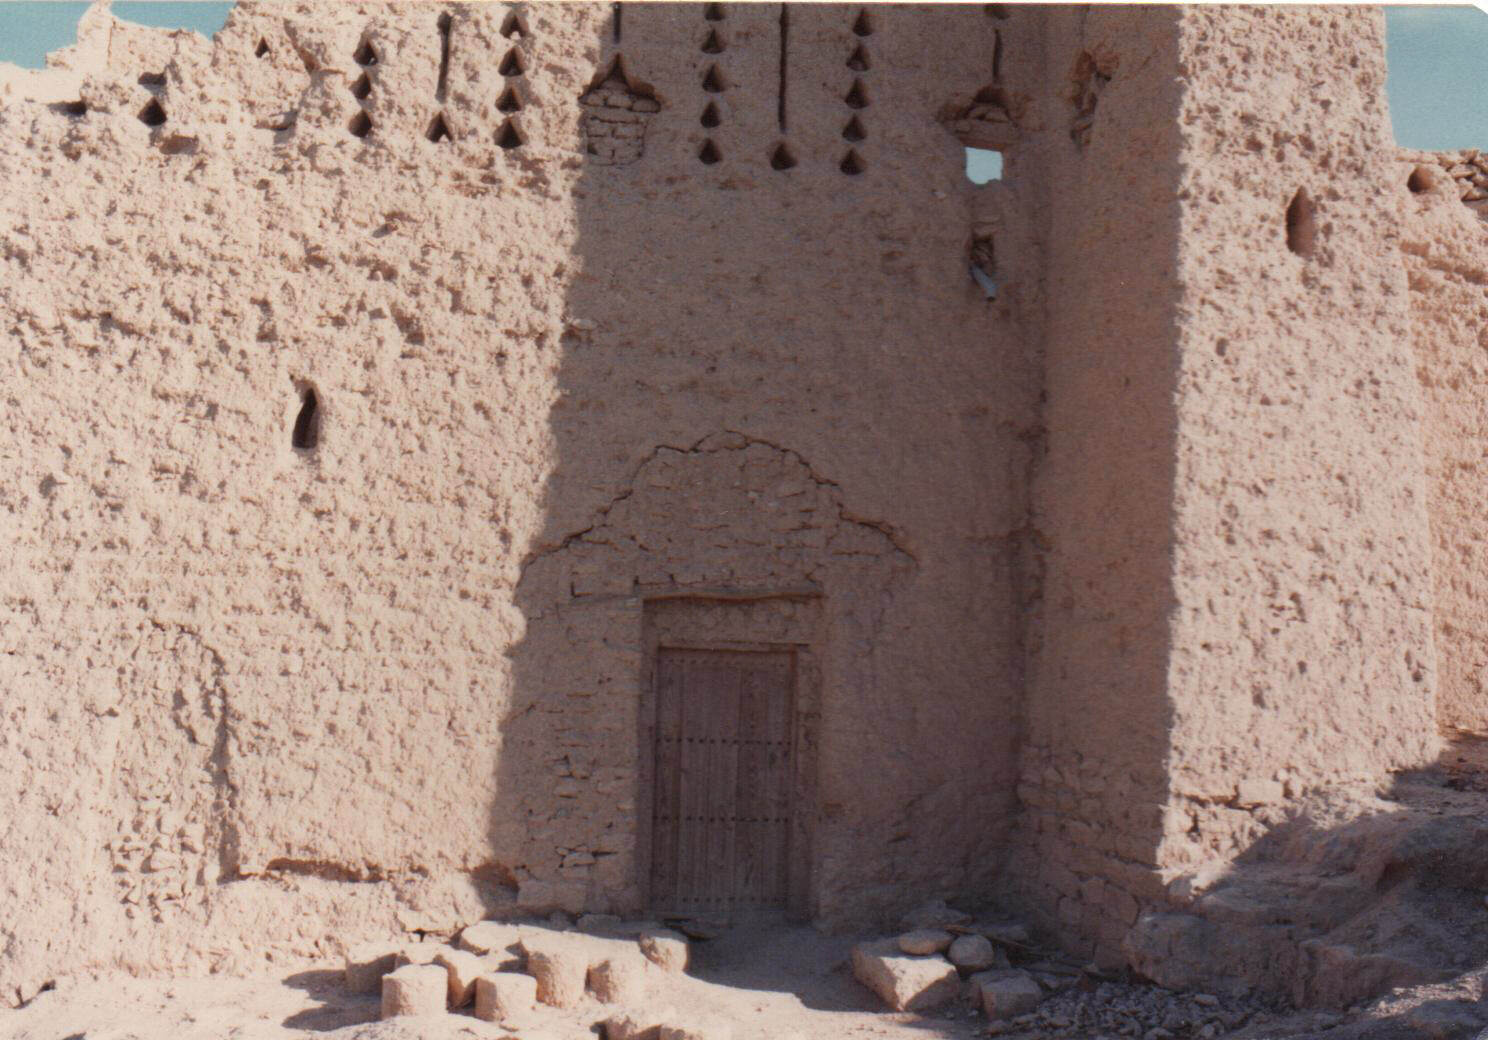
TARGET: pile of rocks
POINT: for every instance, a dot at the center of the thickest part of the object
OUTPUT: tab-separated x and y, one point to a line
943	955
1468	168
1112	1009
508	972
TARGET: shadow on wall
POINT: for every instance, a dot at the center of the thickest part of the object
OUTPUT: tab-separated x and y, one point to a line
1347	895
732	386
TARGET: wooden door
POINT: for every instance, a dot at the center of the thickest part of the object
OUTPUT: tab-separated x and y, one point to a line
721	821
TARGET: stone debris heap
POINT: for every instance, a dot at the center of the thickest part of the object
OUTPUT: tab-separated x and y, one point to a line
943	955
509	972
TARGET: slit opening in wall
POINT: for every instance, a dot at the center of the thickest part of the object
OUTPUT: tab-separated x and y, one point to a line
1301	224
510	135
781	158
152	80
857	97
438	129
306	433
983	267
709	153
512	27
858	61
362	88
153	114
510	100
983	165
365	55
713	12
71	108
854	131
714	43
852	163
864	25
360	125
710	117
262	50
513	64
713	81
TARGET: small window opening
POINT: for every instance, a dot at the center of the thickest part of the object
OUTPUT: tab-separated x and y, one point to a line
512	27
857	97
152	79
852	163
863	26
306	434
858	61
983	165
362	88
854	131
713	81
984	266
365	55
438	129
710	116
513	64
713	12
152	114
510	100
710	154
510	135
262	50
713	44
1301	224
360	125
72	108
781	158
1422	179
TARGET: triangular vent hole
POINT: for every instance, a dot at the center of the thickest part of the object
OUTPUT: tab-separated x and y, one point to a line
513	64
713	44
710	116
853	163
859	61
854	131
152	114
781	158
863	26
510	136
512	27
857	97
713	81
360	125
262	50
365	55
362	87
710	154
438	129
713	12
510	100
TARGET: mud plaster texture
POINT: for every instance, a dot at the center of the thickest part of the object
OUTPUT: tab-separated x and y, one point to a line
621	333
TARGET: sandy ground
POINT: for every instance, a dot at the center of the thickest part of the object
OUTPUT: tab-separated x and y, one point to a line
768	981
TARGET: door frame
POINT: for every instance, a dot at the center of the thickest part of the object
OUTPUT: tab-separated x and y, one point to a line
706	623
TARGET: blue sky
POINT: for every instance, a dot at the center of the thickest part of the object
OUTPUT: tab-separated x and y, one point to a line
1438	56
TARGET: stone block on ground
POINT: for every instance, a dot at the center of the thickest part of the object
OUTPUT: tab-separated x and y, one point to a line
665	948
415	989
620	979
972	952
504	995
703	1029
487	937
463	968
902	981
561	967
1008	994
925	941
636	1024
418	953
367	964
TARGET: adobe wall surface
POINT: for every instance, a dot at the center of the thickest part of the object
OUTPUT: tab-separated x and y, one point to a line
257	696
1444	242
